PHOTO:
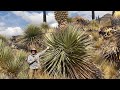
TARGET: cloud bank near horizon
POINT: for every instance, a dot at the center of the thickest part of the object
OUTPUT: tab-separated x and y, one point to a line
34	17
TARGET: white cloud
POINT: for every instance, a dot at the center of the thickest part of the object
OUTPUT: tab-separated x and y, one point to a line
54	25
85	14
32	18
2	24
11	31
35	17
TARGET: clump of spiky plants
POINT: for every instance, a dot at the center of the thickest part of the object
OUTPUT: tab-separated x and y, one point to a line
23	74
108	33
68	55
109	71
98	43
3	38
96	38
11	62
45	75
117	36
106	62
97	59
95	35
33	36
93	25
117	39
110	52
69	20
45	27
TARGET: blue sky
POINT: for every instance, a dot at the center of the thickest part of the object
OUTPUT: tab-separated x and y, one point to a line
15	22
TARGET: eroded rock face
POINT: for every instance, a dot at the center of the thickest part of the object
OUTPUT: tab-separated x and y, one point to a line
106	17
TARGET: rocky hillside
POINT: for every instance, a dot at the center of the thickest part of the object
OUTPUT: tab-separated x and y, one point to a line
105	20
80	20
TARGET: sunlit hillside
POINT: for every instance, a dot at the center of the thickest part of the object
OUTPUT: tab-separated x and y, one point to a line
78	48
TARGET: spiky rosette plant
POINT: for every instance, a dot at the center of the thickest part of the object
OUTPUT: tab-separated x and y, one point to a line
45	27
33	36
68	55
61	18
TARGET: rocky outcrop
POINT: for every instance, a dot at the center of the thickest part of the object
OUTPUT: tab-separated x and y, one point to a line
105	20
